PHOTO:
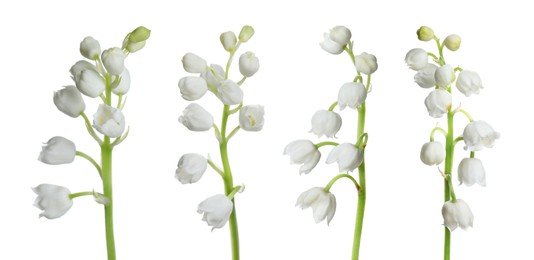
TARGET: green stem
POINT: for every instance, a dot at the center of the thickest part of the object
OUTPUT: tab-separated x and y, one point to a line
339	176
229	183
321	144
437	129
361	192
106	150
449	149
331	108
91	160
79	194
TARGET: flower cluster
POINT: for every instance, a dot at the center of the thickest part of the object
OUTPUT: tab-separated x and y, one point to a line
433	73
214	78
327	122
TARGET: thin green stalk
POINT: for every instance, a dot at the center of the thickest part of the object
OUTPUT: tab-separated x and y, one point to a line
361	192
449	150
106	150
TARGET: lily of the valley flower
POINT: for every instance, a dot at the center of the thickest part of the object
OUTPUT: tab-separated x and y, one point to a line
452	42
246	33
336	39
303	152
325	122
347	156
479	134
192	88
230	93
90	83
90	48
193	63
109	121
196	118
351	94
69	101
425	76
417	59
191	167
425	33
469	83
251	117
80	66
113	60
457	214
432	153
53	200
124	85
228	40
214	77
444	76
471	171
136	40
249	64
323	203
438	102
58	150
217	210
366	63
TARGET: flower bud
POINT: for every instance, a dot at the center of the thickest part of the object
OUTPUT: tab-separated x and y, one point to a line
325	122
341	35
193	63
365	63
417	59
323	203
214	77
109	121
347	156
452	42
438	103
425	77
217	210
479	134
471	171
457	214
246	33
303	152
228	41
58	150
53	200
140	34
90	48
78	67
425	33
191	167
432	153
251	118
113	60
230	93
133	47
444	76
248	64
352	94
90	83
69	101
124	84
192	88
196	118
330	45
469	83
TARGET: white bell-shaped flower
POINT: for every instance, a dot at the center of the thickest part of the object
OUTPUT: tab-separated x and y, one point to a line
109	121
249	64
228	41
90	83
452	42
325	122
425	76
365	63
192	88
438	103
347	156
216	209
479	134
336	40
90	48
351	94
303	152
457	214
469	83
251	117
471	171
230	93
444	76
113	60
196	118
214	77
193	63
58	150
191	167
124	84
417	59
322	203
80	66
69	101
432	153
53	200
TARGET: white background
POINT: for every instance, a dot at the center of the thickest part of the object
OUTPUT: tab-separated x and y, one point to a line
156	216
